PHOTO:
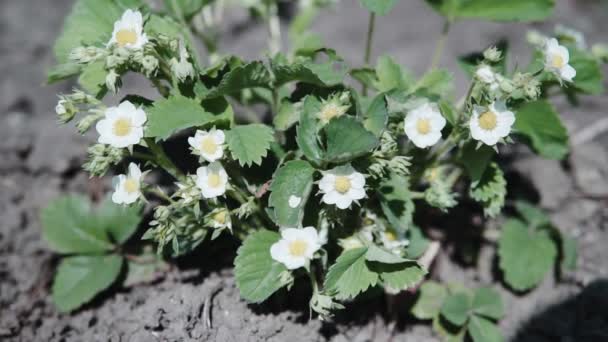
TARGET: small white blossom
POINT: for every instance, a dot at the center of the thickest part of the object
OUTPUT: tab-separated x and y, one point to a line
296	247
122	125
423	125
182	69
127	187
60	107
220	219
556	60
577	37
208	144
129	31
212	180
294	201
490	124
342	186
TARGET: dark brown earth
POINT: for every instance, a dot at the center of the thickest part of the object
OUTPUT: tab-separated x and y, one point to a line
41	160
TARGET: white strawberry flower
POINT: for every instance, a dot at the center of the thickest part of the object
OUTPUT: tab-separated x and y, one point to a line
220	219
122	125
490	124
486	75
296	247
342	186
556	60
208	144
128	187
423	125
129	31
212	180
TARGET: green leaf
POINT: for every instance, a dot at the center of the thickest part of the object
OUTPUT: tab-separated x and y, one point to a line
483	330
392	76
490	190
251	75
448	112
148	267
533	215
380	254
294	178
430	298
258	275
119	221
349	275
399	276
487	302
589	75
288	115
249	143
366	76
525	256
69	227
93	77
376	116
418	243
476	160
326	74
176	113
438	82
569	247
80	278
185	8
456	308
380	7
512	10
347	139
62	71
540	124
90	22
396	201
307	137
447	331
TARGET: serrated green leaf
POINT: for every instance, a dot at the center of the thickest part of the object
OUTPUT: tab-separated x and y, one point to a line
456	308
251	75
288	115
350	275
294	178
93	77
490	190
512	10
325	74
185	8
376	115
430	298
380	7
483	330
391	75
382	255
249	143
366	76
540	124
438	82
399	276
62	71
487	302
448	112
80	278
347	139
176	113
69	226
525	256
307	137
258	276
90	23
476	160
418	243
589	76
396	201
533	215
119	221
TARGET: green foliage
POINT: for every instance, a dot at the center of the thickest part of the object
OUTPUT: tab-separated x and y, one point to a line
250	75
294	178
391	75
93	77
589	77
476	160
430	300
483	330
400	276
62	71
490	190
119	222
307	137
376	115
436	82
487	303
540	124
381	7
257	275
350	275
456	307
396	201
185	8
325	74
249	143
513	10
347	139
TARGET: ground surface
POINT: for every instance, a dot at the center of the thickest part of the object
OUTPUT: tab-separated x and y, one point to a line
41	160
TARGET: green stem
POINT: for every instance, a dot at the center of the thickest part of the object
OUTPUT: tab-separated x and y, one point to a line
440	45
164	161
274	28
368	44
160	194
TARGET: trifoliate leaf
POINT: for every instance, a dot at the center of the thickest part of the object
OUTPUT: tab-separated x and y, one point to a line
456	308
589	75
93	77
430	298
326	74
350	275
249	143
289	191
258	275
525	256
80	278
176	113
251	75
490	190
399	276
483	330
90	23
307	137
376	116
69	226
448	331
119	221
347	139
540	124
382	255
512	10
380	7
487	302
391	75
396	201
436	82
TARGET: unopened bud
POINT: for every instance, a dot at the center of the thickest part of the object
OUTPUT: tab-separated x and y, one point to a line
492	54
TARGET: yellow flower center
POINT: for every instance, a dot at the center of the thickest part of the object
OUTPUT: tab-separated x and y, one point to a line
126	36
557	61
214	180
131	185
122	127
342	184
487	120
423	126
208	145
220	217
298	248
390	236
329	112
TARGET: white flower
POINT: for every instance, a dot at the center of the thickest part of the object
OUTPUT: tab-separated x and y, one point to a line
556	60
294	201
182	69
220	219
492	123
341	186
122	125
486	75
128	186
212	180
296	247
423	125
129	31
60	107
208	144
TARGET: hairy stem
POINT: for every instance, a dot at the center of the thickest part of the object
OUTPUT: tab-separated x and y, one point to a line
368	43
440	45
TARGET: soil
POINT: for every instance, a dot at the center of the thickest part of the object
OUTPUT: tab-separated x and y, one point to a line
197	298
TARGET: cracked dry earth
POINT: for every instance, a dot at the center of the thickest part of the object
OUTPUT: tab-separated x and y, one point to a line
197	300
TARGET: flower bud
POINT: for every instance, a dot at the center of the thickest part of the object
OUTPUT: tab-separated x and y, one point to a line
111	79
600	51
149	65
65	110
87	122
536	38
492	54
